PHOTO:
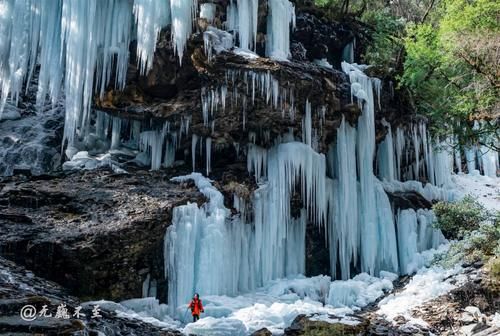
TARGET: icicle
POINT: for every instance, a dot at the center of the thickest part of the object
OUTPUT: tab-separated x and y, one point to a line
443	163
169	156
151	142
307	125
194	141
407	239
385	156
116	132
416	234
489	160
232	17
399	146
470	157
208	144
257	161
427	153
348	52
416	148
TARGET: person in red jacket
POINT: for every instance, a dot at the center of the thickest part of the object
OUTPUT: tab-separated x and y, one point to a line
196	307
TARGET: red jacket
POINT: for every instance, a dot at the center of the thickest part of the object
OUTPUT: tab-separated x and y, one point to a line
196	307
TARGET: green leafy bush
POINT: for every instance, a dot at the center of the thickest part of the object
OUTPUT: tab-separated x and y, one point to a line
479	232
456	218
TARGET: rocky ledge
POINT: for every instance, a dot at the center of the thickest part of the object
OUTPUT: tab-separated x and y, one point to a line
20	288
96	233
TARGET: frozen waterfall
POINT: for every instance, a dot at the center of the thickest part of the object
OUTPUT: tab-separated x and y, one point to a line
215	253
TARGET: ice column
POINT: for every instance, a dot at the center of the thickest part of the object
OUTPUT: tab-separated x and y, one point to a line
489	160
307	125
281	16
376	222
385	156
247	23
344	234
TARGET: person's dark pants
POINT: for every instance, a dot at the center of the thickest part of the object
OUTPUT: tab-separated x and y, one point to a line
196	318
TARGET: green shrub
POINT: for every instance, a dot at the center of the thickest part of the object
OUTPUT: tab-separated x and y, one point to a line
481	244
454	219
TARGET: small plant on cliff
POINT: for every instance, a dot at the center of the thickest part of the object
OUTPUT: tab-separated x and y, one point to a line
454	219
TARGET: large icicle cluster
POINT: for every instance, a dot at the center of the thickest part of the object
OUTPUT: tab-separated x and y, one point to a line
208	251
411	154
481	157
77	45
78	42
76	48
255	84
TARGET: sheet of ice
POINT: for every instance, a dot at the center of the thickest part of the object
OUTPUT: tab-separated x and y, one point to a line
273	306
429	191
323	63
484	189
426	285
359	291
147	309
83	161
216	40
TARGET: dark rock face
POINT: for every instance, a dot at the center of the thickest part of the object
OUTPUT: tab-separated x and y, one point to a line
19	287
321	38
303	325
408	200
317	252
262	332
96	233
31	144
